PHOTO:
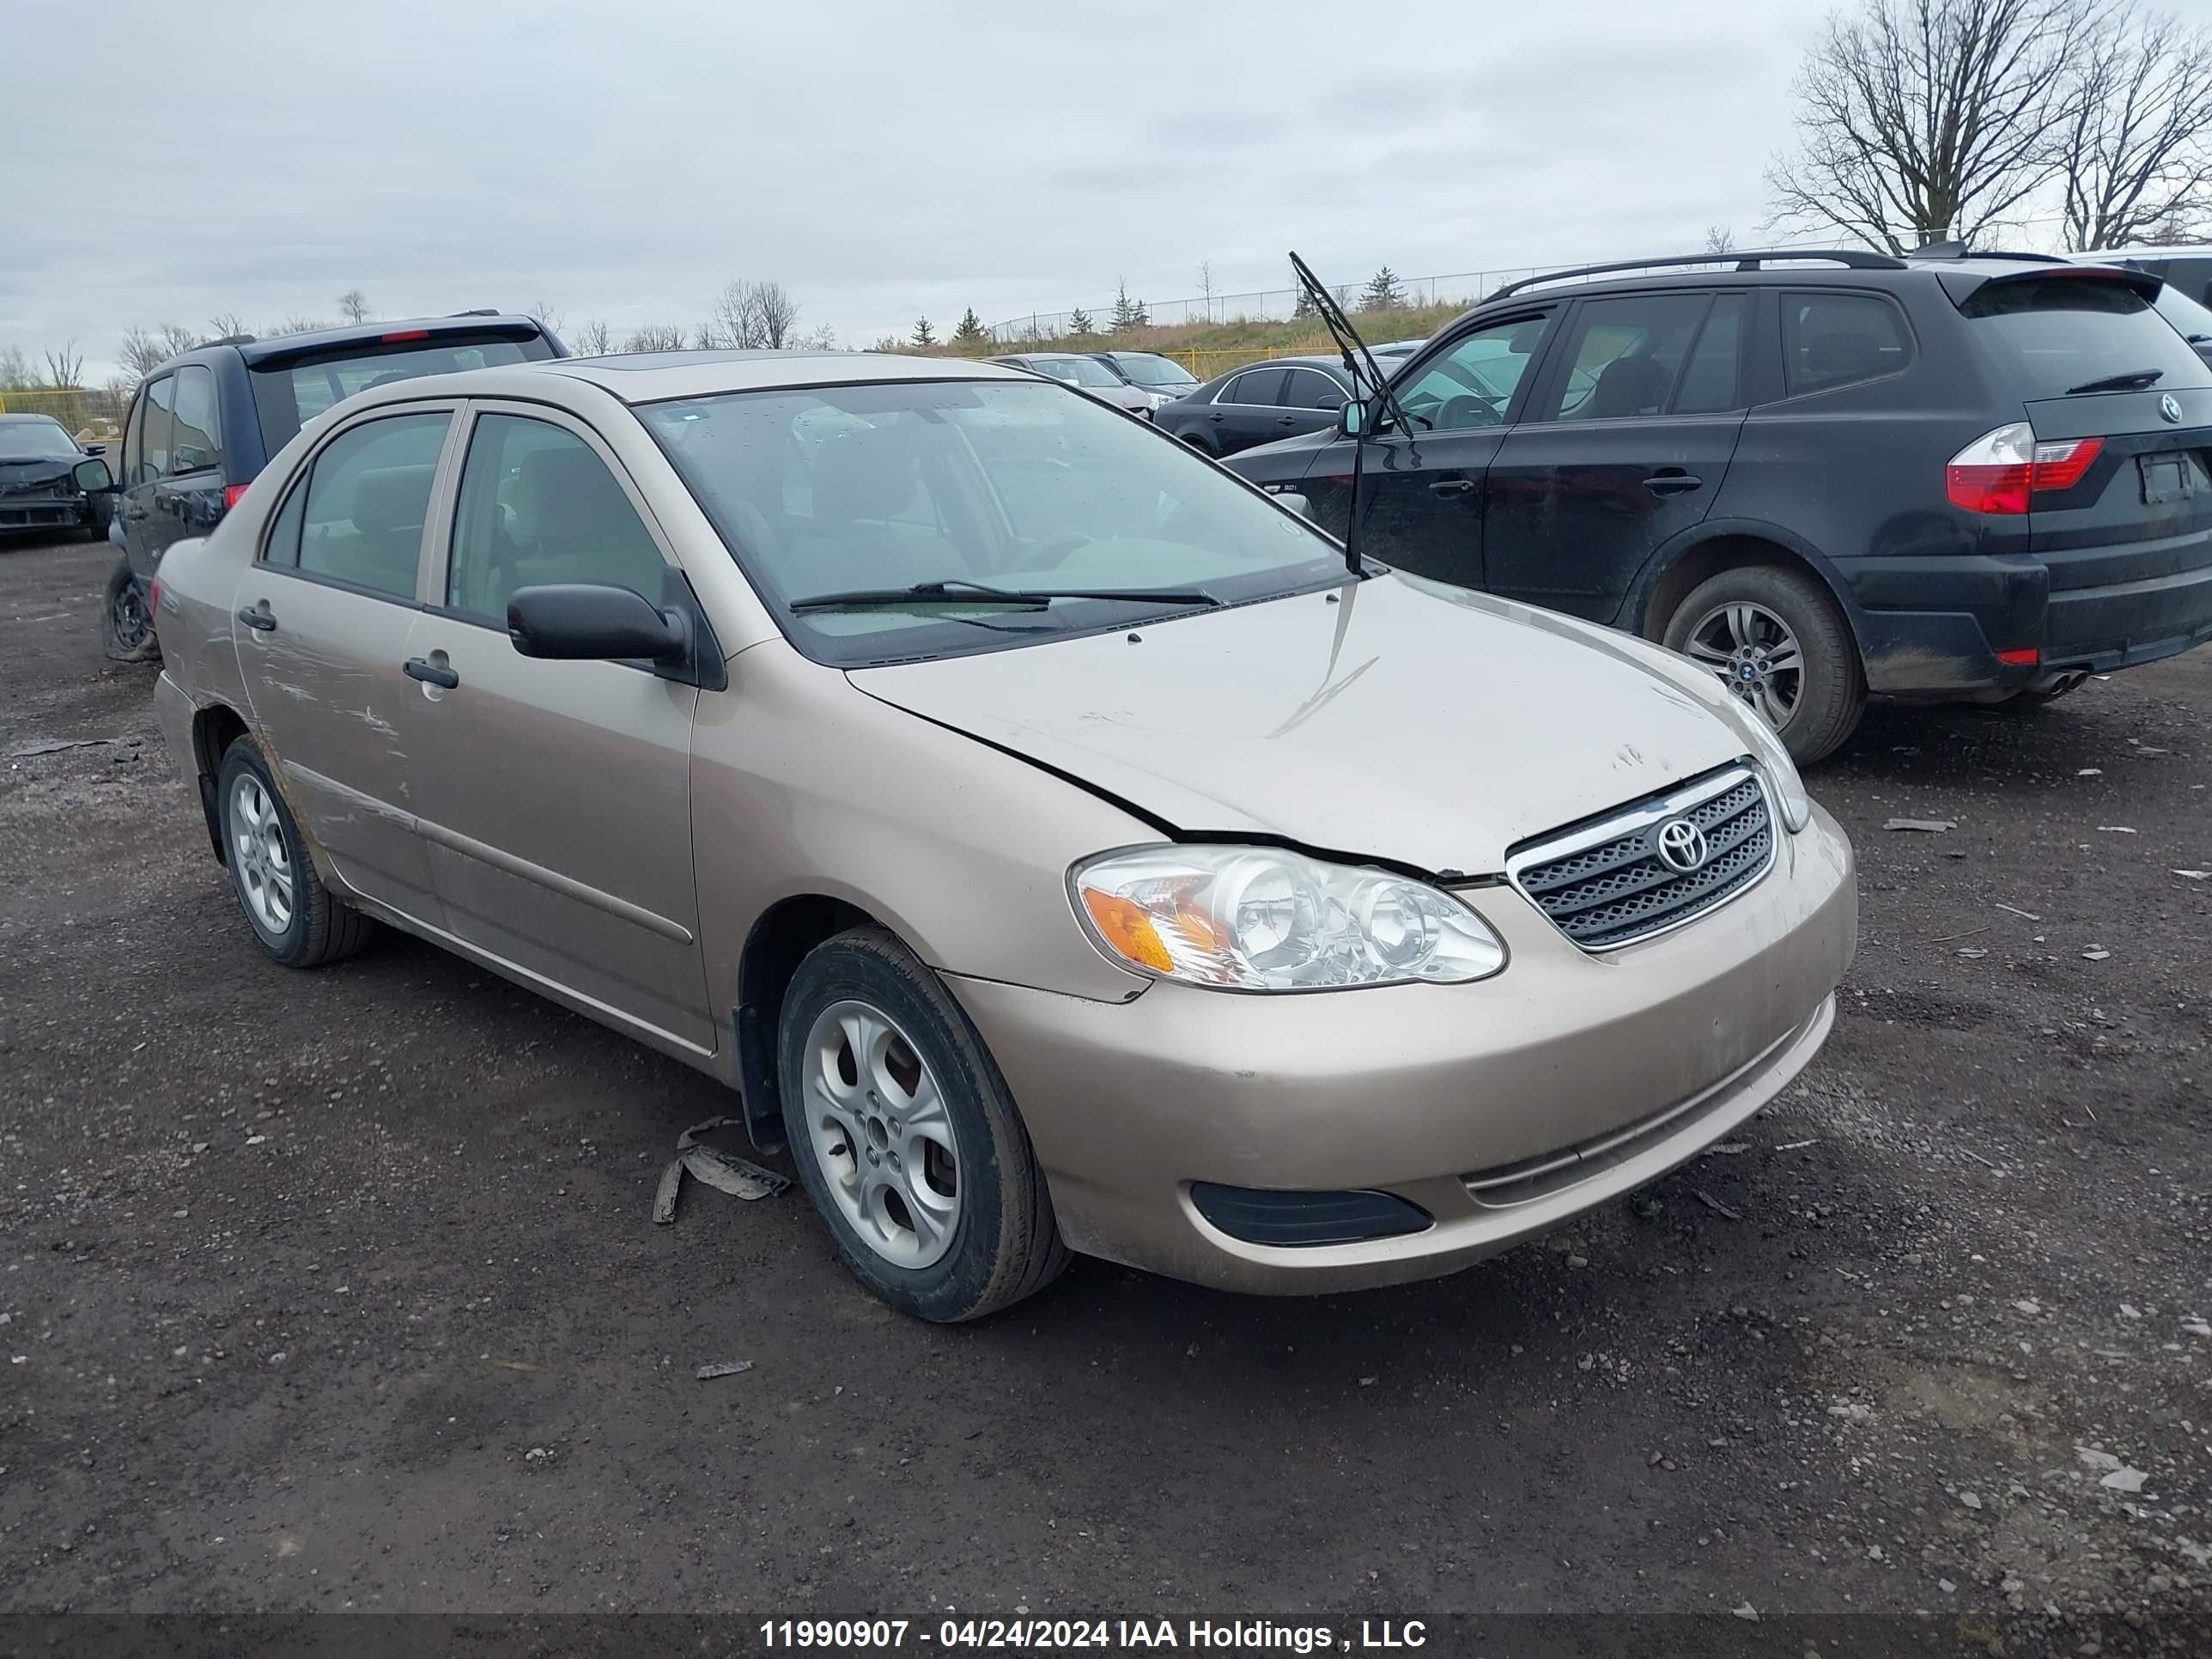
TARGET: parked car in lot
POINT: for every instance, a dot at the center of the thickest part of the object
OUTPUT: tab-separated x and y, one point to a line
1022	813
39	490
1391	350
1086	374
1281	398
1150	371
1818	475
2182	301
202	426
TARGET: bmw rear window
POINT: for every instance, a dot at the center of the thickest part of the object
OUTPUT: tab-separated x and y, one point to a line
287	395
2052	334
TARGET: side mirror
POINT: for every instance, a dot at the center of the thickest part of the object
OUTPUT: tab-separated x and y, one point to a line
1294	501
93	476
1351	417
587	622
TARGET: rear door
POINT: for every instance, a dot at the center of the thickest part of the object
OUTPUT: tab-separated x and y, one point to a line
188	499
1624	447
146	464
1246	412
1310	400
2127	533
557	795
322	619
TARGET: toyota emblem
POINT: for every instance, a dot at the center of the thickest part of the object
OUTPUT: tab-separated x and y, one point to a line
2170	407
1682	845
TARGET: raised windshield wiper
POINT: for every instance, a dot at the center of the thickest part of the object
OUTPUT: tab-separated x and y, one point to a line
2135	380
960	592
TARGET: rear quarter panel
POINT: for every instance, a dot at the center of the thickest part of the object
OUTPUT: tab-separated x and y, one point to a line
199	648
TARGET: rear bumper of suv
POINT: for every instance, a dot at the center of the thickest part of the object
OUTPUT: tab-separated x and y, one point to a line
1932	626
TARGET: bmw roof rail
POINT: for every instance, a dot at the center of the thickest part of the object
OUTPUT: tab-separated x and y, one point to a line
1960	250
1858	259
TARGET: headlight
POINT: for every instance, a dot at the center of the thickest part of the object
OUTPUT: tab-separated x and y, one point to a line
1262	919
1781	771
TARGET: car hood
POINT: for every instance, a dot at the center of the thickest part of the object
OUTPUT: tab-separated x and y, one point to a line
1281	461
19	473
1404	721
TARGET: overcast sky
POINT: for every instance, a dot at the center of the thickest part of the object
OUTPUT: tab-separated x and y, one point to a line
882	160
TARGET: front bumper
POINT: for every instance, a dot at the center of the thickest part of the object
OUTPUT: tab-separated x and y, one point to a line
1501	1108
1935	625
46	513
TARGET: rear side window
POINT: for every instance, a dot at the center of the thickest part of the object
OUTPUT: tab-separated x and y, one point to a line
154	446
287	395
1712	381
198	440
1258	385
1625	356
366	502
1837	339
1309	388
2054	335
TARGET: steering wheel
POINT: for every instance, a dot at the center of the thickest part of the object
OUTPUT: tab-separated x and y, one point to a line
1468	409
1054	552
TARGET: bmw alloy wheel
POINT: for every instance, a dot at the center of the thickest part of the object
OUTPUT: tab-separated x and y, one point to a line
1751	651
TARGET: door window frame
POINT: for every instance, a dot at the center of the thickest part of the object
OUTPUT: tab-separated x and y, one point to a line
1442	346
169	414
1562	365
132	450
447	502
1785	296
301	477
214	416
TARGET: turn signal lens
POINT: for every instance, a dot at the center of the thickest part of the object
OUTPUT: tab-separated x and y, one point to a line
2000	471
1266	919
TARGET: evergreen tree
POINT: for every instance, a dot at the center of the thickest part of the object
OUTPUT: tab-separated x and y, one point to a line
970	331
1127	313
1383	291
1079	324
922	335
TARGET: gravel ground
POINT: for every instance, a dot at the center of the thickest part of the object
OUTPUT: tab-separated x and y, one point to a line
339	1290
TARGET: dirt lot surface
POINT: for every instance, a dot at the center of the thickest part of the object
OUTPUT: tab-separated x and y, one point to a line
339	1290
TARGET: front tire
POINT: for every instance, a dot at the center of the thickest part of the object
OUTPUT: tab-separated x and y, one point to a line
127	626
292	914
906	1137
1775	639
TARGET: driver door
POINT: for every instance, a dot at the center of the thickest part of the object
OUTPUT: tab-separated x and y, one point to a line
1422	496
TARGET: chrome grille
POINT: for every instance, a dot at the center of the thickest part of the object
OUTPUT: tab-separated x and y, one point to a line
1605	883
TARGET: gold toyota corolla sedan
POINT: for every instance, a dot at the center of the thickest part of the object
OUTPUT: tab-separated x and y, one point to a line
1054	842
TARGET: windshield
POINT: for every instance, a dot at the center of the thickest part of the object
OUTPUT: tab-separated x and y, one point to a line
1076	371
846	489
35	440
1155	371
2052	334
2192	320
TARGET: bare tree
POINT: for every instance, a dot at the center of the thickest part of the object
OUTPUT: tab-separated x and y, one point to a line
65	368
1926	119
2138	162
224	324
353	305
752	315
654	336
706	337
546	317
299	324
1206	286
16	372
1720	238
823	338
595	339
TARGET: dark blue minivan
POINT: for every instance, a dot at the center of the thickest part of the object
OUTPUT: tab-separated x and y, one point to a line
204	423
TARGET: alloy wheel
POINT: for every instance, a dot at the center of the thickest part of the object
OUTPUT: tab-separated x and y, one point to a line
1751	651
882	1136
259	855
133	627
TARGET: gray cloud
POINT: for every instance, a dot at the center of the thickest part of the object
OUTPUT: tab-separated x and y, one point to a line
881	159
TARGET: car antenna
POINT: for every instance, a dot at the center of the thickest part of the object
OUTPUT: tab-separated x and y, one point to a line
1358	362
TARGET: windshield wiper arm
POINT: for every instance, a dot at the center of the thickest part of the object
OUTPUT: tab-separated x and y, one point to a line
957	590
2134	380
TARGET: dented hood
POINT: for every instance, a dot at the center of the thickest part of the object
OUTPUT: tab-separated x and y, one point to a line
1400	719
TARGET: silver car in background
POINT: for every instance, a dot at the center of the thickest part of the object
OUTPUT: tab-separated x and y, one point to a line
1087	375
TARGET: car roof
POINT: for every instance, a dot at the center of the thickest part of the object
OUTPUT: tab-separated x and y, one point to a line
14	417
281	347
647	377
1039	356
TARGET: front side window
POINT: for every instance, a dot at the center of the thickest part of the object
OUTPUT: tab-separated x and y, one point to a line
366	502
198	434
161	410
134	443
1626	355
1473	383
1830	340
537	505
877	490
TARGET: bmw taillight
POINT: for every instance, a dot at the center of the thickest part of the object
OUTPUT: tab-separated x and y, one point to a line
2001	471
230	495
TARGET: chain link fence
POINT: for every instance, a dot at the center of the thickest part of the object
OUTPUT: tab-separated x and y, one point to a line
92	415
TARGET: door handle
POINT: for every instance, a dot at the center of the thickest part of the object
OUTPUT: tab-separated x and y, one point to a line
1213	417
429	674
256	619
1672	483
1451	487
1286	420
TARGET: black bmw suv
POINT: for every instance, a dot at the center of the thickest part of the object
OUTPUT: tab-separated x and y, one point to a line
204	423
1819	474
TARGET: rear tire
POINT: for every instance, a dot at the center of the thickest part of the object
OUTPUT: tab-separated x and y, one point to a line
127	626
1756	617
960	1225
291	913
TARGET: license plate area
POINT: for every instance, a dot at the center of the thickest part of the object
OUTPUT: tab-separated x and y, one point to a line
2168	478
